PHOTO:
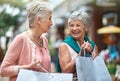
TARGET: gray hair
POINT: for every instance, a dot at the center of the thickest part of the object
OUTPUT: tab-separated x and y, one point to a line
80	15
37	8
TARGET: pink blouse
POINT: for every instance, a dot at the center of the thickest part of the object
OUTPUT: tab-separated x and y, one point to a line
23	51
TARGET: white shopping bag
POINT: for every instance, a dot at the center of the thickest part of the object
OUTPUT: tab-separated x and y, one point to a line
29	75
92	70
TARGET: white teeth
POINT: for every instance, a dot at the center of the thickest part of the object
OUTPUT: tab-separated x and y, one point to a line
75	33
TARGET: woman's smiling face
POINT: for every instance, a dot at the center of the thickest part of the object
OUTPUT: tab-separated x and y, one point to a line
77	29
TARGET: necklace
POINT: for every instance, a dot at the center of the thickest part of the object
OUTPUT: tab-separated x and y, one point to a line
40	43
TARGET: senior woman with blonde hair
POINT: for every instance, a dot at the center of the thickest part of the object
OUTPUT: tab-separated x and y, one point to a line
30	48
75	42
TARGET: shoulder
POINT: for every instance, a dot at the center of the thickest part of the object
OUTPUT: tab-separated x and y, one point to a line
17	42
63	46
19	38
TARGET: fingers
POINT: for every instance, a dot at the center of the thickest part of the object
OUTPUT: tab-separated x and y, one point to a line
37	62
95	52
34	64
87	46
93	56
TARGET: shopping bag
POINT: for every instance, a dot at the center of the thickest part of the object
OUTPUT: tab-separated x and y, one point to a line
92	70
29	75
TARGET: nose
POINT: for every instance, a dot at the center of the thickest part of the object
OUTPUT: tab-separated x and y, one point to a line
74	28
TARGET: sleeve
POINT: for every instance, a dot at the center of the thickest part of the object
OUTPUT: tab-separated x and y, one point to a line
9	65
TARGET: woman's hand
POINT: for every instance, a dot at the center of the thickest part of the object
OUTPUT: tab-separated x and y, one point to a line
31	66
34	65
95	52
87	47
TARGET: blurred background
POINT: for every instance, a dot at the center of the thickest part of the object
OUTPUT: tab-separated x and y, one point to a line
103	29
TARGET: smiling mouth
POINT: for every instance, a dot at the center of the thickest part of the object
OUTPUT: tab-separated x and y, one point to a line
75	33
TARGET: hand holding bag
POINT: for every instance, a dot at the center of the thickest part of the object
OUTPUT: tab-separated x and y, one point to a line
92	70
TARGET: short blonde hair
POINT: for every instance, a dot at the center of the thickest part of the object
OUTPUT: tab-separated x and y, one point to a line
37	8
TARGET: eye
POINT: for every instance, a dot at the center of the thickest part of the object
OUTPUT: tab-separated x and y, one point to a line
50	17
78	25
71	25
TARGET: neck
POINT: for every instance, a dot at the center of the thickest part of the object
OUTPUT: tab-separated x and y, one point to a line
35	37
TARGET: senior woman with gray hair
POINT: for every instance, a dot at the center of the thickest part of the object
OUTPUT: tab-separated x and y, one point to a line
30	48
72	45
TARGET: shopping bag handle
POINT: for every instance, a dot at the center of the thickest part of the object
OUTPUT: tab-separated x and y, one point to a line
83	52
42	68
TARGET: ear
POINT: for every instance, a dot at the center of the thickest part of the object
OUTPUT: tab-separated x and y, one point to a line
39	19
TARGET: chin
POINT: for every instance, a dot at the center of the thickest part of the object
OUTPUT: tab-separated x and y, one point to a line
76	37
46	31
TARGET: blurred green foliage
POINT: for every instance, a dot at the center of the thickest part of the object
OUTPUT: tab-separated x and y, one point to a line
111	67
50	46
6	19
14	3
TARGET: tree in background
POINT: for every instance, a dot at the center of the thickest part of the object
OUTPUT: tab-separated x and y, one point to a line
10	15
